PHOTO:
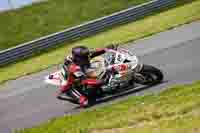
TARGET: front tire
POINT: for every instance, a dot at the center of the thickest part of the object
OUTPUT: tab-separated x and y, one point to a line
150	75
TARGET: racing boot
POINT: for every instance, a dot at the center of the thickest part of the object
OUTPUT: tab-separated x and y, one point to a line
83	101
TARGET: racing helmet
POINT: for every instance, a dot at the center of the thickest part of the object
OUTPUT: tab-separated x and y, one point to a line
80	55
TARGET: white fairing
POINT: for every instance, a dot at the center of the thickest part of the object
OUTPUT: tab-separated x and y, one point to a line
110	58
134	61
55	80
122	55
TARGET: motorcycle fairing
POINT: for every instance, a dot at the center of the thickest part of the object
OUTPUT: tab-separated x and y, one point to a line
54	78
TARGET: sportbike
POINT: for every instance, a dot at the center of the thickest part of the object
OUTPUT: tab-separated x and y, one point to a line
128	71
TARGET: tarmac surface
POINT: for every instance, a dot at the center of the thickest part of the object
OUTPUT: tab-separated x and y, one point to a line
28	101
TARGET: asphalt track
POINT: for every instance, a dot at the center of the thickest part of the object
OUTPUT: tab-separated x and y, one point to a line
28	101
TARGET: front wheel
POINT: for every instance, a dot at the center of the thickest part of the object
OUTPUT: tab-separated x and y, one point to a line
149	75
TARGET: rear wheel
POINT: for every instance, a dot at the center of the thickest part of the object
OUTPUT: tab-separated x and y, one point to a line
149	75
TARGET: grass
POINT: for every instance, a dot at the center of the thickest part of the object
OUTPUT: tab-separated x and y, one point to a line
47	17
174	110
182	13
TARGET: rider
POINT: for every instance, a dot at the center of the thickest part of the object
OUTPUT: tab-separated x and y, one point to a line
78	69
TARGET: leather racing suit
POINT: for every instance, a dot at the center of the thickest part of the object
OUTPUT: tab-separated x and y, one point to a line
74	72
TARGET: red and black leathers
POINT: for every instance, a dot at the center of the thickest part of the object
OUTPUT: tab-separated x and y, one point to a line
74	69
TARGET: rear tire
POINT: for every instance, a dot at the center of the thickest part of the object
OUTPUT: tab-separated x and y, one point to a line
151	74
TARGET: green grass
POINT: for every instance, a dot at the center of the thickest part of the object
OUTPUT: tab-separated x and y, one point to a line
51	16
129	32
174	110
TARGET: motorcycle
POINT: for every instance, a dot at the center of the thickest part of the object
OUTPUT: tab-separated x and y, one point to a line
128	71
